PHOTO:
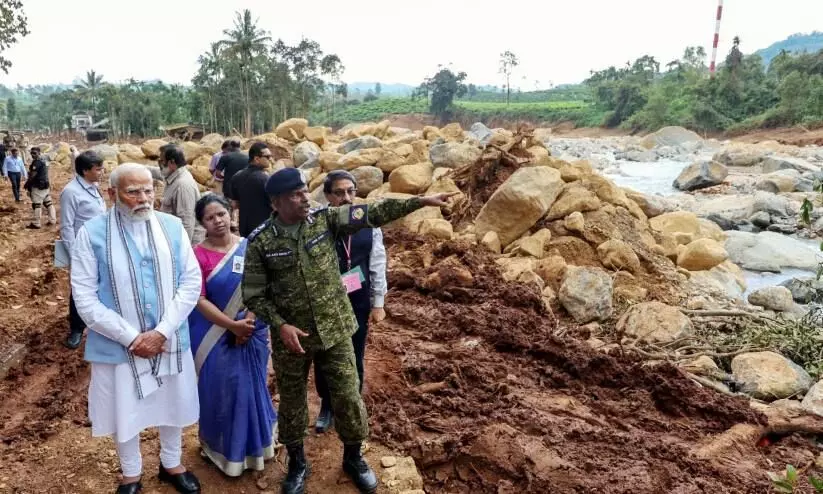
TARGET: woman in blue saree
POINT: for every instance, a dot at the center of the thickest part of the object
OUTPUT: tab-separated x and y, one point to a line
237	419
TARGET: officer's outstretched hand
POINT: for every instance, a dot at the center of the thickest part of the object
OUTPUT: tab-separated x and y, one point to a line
438	200
289	336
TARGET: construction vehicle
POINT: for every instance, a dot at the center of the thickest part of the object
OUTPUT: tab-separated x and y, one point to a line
184	132
83	123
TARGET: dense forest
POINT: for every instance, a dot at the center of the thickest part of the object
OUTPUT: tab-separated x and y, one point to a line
247	82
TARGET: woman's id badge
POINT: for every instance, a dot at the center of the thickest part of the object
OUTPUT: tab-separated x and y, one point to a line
353	279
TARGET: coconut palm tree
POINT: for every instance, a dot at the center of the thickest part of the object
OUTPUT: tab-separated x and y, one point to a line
245	43
90	86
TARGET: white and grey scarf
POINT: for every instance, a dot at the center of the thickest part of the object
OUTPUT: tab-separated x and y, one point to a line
147	372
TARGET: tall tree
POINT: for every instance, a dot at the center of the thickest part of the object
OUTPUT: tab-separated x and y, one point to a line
378	89
246	43
15	26
508	61
90	85
444	87
11	111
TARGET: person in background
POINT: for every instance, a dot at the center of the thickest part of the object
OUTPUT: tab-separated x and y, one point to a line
39	190
182	191
13	170
364	252
80	201
3	152
230	346
248	190
229	165
135	281
217	179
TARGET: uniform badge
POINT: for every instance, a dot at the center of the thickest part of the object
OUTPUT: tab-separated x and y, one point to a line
357	213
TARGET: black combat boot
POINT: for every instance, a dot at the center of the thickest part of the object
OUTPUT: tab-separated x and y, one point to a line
299	470
356	467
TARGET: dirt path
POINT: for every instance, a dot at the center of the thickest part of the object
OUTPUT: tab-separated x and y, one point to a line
45	437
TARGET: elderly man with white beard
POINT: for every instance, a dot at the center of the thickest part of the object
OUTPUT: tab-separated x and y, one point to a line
135	280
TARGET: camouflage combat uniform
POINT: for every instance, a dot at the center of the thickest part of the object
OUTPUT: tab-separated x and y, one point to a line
294	279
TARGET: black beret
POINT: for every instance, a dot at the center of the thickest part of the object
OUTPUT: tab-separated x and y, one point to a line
284	180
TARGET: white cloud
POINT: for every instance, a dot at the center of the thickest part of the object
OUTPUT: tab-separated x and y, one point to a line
392	41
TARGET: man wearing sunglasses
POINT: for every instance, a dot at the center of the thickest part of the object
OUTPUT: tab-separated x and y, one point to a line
363	251
248	190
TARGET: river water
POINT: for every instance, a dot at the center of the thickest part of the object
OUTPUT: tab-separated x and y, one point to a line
655	178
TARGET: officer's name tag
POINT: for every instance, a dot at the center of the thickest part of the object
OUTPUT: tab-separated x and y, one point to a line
353	280
237	264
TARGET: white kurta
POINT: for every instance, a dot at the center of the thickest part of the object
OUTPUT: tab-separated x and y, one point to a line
114	407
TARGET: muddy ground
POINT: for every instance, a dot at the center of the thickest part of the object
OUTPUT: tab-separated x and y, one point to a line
467	375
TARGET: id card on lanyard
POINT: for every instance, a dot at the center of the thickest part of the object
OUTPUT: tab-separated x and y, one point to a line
353	278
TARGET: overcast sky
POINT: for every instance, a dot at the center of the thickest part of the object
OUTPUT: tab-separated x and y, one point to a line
389	41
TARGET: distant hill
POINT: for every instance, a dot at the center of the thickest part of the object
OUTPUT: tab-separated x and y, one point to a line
795	43
386	89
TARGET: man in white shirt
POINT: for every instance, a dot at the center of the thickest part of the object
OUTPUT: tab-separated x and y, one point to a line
135	281
80	201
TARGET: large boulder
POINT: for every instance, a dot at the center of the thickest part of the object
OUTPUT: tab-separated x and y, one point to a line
813	401
411	222
775	163
686	227
369	178
360	157
480	133
651	205
436	228
618	255
770	251
804	290
701	175
453	154
586	294
106	151
292	129
738	157
363	142
129	153
670	136
213	142
519	202
411	179
701	255
769	376
573	198
654	322
395	157
779	181
316	135
329	160
306	151
193	150
151	148
777	298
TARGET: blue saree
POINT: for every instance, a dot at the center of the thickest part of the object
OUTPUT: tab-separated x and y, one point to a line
238	423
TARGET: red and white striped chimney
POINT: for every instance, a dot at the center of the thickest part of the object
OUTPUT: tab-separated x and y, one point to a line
716	37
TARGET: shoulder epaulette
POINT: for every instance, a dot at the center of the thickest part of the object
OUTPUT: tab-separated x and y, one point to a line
257	231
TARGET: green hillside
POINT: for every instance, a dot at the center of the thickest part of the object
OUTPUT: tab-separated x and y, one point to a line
796	43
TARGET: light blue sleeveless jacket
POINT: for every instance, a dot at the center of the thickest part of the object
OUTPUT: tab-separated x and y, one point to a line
100	349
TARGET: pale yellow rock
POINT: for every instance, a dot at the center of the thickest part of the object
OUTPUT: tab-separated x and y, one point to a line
539	156
437	228
530	246
292	129
570	174
452	132
519	203
513	267
575	222
573	198
684	226
431	133
329	160
655	322
192	151
379	192
412	179
316	135
618	255
151	148
531	278
317	181
360	157
394	158
551	269
491	242
701	255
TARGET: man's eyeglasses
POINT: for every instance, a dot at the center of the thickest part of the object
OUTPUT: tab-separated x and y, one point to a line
136	193
340	193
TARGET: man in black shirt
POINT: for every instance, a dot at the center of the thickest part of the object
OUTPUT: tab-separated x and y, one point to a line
38	187
230	164
248	190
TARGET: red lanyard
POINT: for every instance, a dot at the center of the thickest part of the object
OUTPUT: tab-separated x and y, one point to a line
347	248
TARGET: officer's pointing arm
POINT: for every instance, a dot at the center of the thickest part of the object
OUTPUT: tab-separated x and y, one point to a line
254	286
353	217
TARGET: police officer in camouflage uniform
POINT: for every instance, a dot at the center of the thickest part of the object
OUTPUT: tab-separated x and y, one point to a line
291	280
